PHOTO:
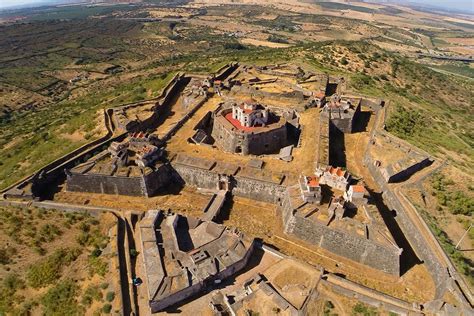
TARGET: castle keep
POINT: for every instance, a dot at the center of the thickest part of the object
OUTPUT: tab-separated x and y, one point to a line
249	128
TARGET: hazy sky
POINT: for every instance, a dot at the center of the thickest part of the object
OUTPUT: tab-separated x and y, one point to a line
9	3
467	5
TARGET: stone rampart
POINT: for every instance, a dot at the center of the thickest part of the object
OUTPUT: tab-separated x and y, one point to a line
257	189
226	70
145	185
194	176
358	249
199	102
239	185
421	247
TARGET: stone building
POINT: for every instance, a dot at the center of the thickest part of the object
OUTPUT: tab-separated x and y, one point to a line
250	114
182	256
249	128
310	189
355	193
342	112
335	177
336	208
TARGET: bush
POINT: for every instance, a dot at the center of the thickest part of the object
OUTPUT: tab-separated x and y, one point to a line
134	253
97	266
344	61
234	46
456	201
61	299
13	282
107	308
110	296
91	294
277	39
362	309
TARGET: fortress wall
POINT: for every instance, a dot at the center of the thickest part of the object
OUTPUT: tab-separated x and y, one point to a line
199	102
373	104
241	186
344	125
169	93
406	173
204	122
286	210
358	249
224	138
104	184
226	70
424	252
294	96
257	189
159	305
196	177
197	288
156	180
267	142
323	135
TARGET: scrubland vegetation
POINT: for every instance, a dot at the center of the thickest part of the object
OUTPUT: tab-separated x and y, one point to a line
48	258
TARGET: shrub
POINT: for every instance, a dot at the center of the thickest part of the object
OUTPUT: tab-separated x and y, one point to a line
13	282
48	270
110	296
134	253
96	252
104	285
107	308
344	61
235	46
97	266
362	309
61	299
91	294
277	39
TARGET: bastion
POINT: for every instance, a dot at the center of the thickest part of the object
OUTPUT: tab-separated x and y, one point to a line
183	255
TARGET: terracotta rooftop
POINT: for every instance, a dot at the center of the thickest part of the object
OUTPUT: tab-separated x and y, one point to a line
358	188
319	94
337	171
236	123
312	181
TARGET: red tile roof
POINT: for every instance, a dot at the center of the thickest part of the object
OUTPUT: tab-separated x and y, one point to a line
237	124
358	188
319	94
312	181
